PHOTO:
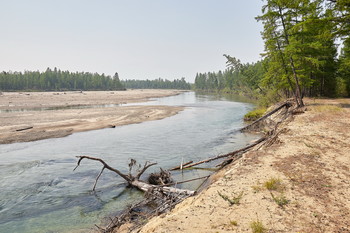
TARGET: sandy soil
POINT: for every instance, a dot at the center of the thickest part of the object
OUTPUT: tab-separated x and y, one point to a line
20	110
307	170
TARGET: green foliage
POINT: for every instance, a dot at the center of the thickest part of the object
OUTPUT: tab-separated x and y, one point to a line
57	80
157	84
344	69
254	114
257	227
300	57
238	78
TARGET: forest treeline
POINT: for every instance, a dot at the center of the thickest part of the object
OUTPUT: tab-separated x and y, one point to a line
301	54
57	80
157	84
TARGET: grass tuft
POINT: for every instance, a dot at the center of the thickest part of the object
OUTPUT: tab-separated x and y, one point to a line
257	188
257	227
274	184
234	223
281	200
233	201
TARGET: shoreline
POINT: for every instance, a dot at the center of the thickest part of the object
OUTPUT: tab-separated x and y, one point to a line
31	116
308	163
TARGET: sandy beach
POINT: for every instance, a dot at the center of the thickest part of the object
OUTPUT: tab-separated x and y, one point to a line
301	183
30	116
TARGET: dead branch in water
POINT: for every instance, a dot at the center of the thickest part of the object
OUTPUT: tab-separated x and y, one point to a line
134	180
160	198
225	155
180	167
105	165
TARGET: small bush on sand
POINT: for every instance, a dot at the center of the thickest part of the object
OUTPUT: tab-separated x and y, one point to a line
274	184
257	227
234	223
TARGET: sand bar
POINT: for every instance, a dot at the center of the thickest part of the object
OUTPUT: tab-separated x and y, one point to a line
30	116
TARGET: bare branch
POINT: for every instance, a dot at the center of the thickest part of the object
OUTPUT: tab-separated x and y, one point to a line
93	189
125	177
225	155
179	167
145	167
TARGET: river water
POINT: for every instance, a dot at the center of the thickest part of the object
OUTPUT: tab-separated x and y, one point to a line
39	192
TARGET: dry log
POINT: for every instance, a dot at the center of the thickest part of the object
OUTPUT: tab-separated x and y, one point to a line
146	187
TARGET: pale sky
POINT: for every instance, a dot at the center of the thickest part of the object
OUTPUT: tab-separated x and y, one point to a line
139	39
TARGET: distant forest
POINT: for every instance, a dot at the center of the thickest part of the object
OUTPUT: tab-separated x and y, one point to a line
300	59
57	80
157	84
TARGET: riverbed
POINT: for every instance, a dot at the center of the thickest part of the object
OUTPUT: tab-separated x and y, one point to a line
41	193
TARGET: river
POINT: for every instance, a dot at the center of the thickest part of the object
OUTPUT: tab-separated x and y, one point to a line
39	192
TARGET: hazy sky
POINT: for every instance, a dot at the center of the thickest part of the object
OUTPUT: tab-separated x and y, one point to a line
139	39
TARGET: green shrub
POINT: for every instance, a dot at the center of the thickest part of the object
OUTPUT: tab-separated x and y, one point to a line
255	114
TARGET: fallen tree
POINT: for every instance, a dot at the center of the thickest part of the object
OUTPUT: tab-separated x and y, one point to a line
134	180
158	198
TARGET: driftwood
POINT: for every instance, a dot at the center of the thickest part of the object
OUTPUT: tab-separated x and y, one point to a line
225	155
159	198
26	128
160	178
134	180
181	166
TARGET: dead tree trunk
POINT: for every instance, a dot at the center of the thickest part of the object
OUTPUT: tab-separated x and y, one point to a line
134	180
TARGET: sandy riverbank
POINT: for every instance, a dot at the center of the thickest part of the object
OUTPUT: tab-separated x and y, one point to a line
309	167
59	115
